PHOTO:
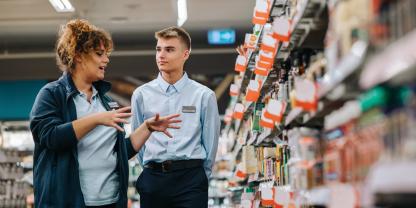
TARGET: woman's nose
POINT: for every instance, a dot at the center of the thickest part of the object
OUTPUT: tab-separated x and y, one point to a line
106	59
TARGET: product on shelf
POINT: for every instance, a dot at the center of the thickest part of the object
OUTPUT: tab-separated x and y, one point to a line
317	125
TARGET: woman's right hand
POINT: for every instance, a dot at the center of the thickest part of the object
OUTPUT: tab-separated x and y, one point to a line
114	117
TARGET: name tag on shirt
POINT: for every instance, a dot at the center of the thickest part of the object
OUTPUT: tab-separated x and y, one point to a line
188	109
113	105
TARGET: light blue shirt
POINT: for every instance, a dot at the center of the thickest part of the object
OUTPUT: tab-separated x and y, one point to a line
96	156
198	136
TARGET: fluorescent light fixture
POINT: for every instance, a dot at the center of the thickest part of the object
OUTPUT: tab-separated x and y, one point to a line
182	12
62	5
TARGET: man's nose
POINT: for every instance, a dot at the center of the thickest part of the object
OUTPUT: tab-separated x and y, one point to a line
161	54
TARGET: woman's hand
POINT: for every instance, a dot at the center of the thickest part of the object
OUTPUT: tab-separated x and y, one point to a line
109	118
161	124
114	117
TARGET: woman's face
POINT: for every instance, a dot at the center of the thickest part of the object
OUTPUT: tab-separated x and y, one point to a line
92	65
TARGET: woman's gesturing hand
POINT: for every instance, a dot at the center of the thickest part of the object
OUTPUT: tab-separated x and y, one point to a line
161	124
114	117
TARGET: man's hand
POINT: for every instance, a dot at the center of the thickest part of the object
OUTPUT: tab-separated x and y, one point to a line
161	124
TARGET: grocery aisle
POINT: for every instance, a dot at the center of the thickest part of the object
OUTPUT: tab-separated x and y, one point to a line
321	104
322	109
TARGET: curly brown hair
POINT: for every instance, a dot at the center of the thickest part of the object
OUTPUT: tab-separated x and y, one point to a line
79	37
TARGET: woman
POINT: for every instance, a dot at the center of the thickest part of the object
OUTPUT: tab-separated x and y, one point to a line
81	155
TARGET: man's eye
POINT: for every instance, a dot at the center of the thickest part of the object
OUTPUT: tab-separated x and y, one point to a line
99	53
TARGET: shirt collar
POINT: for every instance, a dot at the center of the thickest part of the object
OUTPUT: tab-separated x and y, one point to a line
66	80
178	86
94	92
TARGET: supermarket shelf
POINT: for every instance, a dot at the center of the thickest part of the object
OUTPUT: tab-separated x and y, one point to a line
393	177
252	139
309	9
251	53
222	175
5	157
261	180
235	189
339	89
246	76
306	21
267	137
293	115
237	148
396	64
254	178
297	117
317	196
273	76
219	195
347	66
278	8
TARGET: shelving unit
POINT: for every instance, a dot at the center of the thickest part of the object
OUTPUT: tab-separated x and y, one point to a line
15	186
358	115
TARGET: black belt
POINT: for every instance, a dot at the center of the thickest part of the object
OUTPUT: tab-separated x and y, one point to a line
103	206
171	165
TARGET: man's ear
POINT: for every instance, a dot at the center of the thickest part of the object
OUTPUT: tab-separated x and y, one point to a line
186	54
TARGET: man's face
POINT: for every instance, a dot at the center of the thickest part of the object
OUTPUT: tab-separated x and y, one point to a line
171	55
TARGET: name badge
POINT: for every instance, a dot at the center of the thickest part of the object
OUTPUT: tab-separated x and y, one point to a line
188	109
113	105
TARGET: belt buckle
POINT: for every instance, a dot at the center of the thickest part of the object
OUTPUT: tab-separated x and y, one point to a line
166	165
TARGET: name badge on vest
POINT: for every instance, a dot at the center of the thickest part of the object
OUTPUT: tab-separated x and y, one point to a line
188	109
113	105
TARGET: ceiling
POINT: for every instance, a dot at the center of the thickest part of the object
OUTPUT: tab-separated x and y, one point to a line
28	31
38	16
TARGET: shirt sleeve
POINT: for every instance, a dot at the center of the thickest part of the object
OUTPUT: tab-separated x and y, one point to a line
137	118
210	130
48	127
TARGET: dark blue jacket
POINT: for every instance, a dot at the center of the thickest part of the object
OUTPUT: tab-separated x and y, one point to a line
55	164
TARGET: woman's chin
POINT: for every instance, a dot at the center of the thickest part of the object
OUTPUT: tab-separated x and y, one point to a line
98	78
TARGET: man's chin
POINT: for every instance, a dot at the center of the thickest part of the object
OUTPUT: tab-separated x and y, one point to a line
164	70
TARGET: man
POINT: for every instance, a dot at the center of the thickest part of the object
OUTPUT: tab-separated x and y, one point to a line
176	170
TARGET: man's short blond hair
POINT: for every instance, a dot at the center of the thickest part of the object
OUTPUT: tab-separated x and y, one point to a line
175	32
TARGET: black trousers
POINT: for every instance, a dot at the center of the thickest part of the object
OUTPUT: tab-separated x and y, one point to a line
186	188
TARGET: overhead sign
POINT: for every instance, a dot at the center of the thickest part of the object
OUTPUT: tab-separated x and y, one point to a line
221	36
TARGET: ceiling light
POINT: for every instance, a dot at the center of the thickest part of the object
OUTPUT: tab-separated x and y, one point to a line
182	12
62	5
